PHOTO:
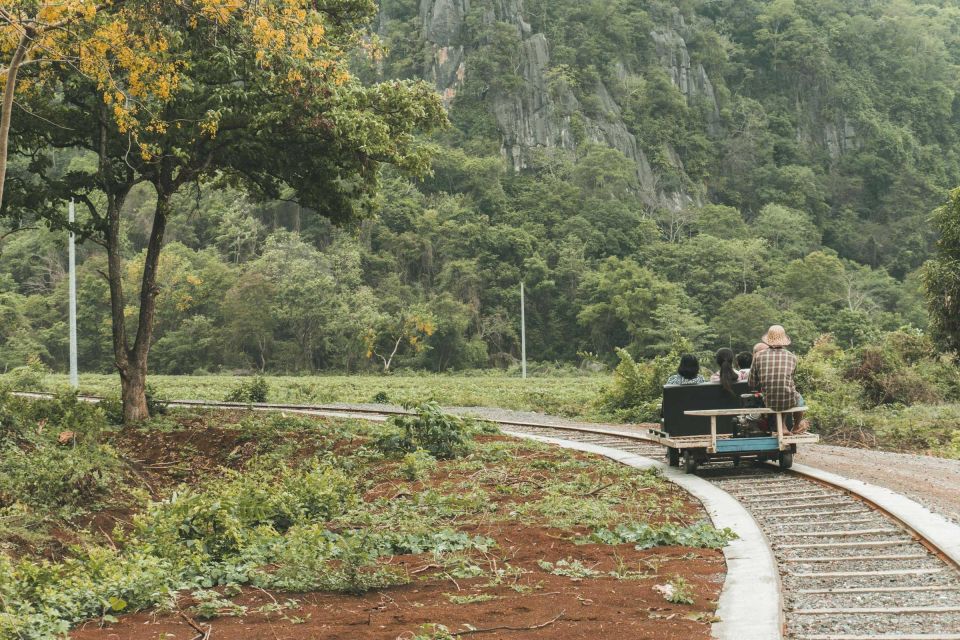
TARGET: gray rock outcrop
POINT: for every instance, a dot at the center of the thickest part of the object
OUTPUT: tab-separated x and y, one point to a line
541	115
692	80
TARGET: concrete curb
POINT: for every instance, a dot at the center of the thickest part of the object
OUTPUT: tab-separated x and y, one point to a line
750	603
941	532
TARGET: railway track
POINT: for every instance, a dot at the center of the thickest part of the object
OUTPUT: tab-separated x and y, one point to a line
848	569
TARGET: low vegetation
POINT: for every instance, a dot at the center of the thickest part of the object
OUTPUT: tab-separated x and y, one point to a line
192	510
557	391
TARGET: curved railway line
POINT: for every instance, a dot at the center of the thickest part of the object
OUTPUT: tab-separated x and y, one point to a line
849	570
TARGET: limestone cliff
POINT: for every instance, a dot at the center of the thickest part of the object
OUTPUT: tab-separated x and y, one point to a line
535	115
538	114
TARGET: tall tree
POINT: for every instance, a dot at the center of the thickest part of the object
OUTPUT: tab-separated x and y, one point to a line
941	276
259	92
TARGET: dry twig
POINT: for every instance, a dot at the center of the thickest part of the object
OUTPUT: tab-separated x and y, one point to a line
201	634
509	628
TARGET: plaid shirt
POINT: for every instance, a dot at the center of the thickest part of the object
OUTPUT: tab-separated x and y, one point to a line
772	372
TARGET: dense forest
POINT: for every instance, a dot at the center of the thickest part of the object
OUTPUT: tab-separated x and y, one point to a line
647	170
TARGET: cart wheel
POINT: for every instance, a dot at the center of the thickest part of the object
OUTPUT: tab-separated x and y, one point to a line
689	463
673	457
786	459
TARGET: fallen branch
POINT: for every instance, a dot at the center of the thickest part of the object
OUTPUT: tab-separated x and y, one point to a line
424	568
597	491
509	628
201	634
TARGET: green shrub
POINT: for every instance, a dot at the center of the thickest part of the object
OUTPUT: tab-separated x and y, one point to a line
38	469
56	476
156	405
889	371
440	434
835	401
42	601
313	558
29	377
44	419
952	450
417	465
636	391
925	428
234	512
255	389
646	536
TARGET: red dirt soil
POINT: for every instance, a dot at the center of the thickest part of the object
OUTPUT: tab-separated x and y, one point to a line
537	605
590	608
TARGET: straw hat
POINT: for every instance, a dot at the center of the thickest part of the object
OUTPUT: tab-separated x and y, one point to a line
776	336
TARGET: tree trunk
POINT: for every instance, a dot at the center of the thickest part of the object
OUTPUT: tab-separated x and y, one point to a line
7	109
132	383
133	393
133	377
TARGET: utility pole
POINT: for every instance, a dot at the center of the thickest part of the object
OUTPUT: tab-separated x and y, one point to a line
523	335
74	375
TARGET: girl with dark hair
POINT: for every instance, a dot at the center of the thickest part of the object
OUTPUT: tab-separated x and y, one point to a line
688	372
744	360
726	376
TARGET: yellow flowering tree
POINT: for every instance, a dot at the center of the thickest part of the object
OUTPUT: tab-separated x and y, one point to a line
394	333
257	92
32	32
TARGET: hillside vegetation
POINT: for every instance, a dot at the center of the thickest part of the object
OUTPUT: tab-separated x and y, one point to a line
697	168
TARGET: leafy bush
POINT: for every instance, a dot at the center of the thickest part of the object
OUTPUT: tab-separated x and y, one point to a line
934	429
637	388
50	453
156	405
29	377
417	465
646	536
230	514
311	558
883	394
442	435
41	420
42	601
834	400
56	476
255	389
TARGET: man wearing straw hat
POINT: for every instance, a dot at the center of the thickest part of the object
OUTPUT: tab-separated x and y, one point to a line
772	371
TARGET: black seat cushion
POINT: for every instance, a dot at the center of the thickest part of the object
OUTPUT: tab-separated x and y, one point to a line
680	398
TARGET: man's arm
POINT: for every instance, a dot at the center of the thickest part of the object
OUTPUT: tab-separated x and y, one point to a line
754	379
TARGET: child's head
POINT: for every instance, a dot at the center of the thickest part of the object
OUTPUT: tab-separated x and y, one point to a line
744	359
689	366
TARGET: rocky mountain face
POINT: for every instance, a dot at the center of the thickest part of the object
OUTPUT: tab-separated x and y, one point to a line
539	112
540	115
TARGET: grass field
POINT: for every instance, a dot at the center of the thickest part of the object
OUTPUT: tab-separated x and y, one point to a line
566	395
